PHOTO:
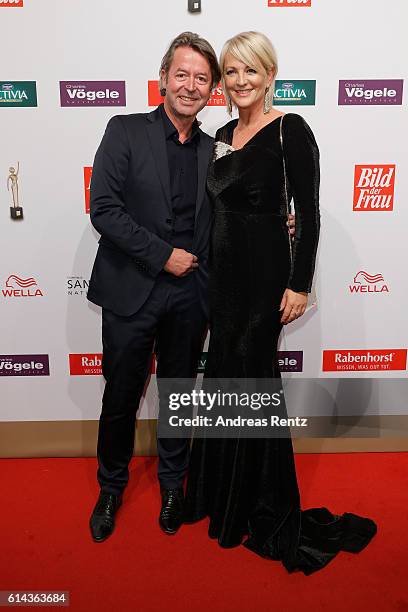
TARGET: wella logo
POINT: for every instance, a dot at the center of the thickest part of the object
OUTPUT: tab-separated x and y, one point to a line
364	360
155	98
87	187
21	287
374	187
11	3
367	283
272	3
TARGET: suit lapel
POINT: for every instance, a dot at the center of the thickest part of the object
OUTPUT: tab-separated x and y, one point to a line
157	141
203	155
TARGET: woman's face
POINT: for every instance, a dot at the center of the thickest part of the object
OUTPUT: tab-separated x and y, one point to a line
245	85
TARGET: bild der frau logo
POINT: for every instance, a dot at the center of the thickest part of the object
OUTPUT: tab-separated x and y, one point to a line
288	3
374	187
11	3
93	93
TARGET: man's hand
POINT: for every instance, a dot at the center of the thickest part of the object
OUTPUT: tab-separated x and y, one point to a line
181	263
291	224
293	305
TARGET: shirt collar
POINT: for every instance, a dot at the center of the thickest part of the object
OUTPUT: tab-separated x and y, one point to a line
171	131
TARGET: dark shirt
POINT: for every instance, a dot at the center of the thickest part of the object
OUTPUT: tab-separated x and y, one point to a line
183	170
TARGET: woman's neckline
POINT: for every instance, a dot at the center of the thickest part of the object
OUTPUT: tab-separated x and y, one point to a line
234	125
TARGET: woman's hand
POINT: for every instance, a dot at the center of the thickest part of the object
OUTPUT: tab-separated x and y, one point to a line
293	305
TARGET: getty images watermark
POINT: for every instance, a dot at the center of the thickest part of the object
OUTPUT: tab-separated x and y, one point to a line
225	408
338	406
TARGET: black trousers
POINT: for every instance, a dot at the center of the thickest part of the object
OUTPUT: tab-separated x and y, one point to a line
172	321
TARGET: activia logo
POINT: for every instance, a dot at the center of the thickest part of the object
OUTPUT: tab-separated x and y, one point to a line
295	93
18	93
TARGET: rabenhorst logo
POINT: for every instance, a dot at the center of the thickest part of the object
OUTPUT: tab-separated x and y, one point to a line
370	92
18	287
15	3
90	364
368	283
289	3
296	93
87	187
290	361
18	93
85	364
93	93
364	360
77	286
374	187
154	98
24	365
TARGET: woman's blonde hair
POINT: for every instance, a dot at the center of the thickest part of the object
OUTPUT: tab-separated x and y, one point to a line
256	51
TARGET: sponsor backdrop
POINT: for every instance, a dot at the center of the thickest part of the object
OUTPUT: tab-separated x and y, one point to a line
73	65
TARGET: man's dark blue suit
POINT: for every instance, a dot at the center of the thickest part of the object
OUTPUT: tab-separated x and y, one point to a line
144	307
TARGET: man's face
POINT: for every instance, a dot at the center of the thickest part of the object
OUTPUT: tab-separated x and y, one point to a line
188	83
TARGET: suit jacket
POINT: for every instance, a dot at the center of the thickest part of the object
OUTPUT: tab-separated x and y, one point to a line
130	207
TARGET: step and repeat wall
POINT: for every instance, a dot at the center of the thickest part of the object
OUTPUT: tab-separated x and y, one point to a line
69	66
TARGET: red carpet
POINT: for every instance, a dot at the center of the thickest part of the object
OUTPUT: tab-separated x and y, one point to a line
45	543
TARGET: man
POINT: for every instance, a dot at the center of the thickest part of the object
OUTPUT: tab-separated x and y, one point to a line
149	204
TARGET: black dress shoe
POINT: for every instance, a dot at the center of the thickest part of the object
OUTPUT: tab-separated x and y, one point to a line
171	514
102	521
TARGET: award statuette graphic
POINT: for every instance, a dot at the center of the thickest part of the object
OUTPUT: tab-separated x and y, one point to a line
16	211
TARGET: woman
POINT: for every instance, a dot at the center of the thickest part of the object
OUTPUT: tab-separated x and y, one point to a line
259	281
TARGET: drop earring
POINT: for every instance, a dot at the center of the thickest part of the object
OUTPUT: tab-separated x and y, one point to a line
267	101
229	106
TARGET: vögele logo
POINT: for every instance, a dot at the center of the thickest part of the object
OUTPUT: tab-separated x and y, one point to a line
18	287
364	360
24	365
93	93
370	92
368	283
374	187
289	3
18	93
290	361
154	98
87	187
297	93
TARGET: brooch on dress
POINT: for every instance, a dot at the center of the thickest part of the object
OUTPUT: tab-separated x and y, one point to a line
221	149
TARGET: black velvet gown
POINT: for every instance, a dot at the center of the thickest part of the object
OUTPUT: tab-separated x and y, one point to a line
247	487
